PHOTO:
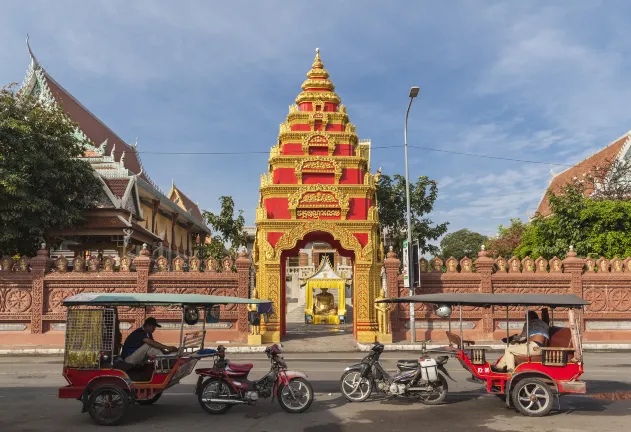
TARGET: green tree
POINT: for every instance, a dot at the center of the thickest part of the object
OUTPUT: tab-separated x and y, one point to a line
459	244
42	184
593	227
392	212
230	234
507	239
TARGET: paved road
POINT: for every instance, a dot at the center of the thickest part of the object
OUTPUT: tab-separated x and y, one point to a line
28	402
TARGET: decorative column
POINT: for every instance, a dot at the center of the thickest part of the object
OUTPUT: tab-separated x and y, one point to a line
39	265
143	263
484	267
268	285
303	259
392	265
574	266
243	264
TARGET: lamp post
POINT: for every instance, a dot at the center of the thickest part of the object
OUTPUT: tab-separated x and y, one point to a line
413	93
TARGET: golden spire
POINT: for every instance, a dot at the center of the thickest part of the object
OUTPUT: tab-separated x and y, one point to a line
318	86
317	63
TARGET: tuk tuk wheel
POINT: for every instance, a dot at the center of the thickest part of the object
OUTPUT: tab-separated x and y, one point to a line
533	397
107	405
149	401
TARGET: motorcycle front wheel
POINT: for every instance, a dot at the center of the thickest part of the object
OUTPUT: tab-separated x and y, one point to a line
301	398
214	388
438	393
354	387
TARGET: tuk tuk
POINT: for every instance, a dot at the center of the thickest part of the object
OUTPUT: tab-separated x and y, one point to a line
97	375
540	376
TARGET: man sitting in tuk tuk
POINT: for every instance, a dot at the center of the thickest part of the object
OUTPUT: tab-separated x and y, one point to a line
140	344
538	335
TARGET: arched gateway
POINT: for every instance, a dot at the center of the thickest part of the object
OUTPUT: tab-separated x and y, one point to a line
318	188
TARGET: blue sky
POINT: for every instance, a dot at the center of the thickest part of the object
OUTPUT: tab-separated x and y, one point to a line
527	80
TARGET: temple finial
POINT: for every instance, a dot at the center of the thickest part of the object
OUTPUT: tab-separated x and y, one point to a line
172	182
317	62
30	51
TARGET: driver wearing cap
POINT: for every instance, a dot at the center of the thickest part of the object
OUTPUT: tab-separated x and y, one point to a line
140	345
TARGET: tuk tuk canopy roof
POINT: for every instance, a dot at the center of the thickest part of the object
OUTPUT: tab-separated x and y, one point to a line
155	299
550	300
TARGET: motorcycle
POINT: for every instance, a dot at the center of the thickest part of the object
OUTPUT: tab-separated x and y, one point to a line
226	384
424	379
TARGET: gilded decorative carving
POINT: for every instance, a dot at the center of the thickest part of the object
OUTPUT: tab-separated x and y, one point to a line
108	264
61	264
318	165
7	264
319	196
78	265
316	214
162	264
501	265
226	264
528	265
178	264
193	264
22	264
541	265
93	264
465	265
555	265
211	265
125	264
514	265
318	139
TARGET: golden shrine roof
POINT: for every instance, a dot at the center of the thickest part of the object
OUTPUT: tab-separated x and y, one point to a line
318	86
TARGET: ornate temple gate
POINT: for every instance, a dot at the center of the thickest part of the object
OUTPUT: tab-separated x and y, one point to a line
318	188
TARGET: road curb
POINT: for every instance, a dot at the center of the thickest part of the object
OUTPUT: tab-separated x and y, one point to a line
597	347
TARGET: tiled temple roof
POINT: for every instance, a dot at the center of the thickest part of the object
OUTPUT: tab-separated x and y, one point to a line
608	154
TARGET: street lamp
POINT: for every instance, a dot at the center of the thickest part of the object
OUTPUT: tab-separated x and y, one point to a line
413	93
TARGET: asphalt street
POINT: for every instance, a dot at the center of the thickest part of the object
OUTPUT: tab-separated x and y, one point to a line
28	402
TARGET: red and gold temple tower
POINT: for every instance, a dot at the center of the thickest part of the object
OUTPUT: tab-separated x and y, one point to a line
318	188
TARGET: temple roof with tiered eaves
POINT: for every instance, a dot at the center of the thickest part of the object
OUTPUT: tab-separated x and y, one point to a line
116	162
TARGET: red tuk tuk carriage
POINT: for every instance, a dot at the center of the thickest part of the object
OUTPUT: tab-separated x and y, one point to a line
539	376
96	374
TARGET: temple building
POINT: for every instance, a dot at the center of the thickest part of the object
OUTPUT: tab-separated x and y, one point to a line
620	149
133	210
317	252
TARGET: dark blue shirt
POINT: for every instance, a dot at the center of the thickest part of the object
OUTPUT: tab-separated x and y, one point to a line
134	341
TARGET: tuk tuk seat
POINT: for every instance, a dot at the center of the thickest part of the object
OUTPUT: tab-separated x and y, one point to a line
560	337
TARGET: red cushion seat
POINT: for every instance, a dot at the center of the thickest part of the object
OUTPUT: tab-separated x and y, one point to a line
246	367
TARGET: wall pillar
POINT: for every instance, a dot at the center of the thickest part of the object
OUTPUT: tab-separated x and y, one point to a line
143	264
392	265
243	264
484	267
268	284
39	265
303	259
574	266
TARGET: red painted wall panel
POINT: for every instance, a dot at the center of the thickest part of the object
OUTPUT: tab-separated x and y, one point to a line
272	237
318	178
362	237
319	151
301	127
343	150
305	106
285	176
358	209
277	208
291	149
352	176
335	127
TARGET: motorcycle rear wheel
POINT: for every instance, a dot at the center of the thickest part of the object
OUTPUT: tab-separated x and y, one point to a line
214	387
438	395
354	387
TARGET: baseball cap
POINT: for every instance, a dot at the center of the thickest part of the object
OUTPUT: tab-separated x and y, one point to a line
152	321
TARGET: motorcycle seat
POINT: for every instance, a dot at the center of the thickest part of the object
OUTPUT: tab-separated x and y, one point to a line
407	364
246	367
